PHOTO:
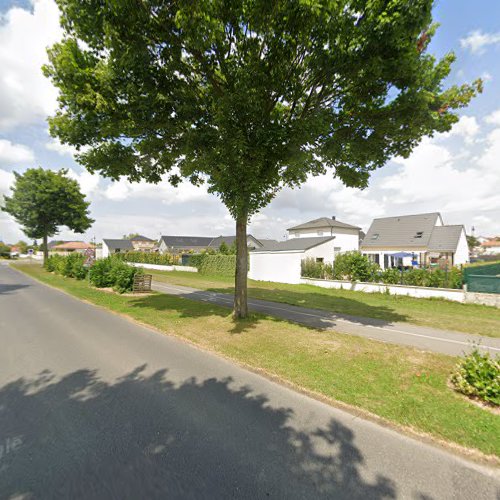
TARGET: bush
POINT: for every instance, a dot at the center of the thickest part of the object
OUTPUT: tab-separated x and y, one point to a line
391	276
100	273
478	375
354	266
113	272
70	265
221	265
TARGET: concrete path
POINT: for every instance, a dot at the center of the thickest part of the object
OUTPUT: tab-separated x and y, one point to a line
93	406
429	339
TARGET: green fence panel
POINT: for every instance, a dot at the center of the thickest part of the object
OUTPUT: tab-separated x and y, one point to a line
485	279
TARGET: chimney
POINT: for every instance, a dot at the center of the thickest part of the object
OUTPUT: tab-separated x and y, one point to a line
333	217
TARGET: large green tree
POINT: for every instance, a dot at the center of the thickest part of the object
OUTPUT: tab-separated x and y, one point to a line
43	200
248	96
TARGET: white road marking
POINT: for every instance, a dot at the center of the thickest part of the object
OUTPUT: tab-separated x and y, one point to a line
214	297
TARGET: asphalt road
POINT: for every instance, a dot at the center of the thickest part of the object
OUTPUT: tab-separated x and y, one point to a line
94	406
429	339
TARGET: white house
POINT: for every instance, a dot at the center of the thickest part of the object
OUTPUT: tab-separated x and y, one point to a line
346	235
491	247
110	247
280	261
415	240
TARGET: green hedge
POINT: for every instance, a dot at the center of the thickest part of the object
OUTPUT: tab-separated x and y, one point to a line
165	259
104	273
221	265
353	266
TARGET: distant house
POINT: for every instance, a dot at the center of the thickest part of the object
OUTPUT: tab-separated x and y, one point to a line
143	244
346	235
70	247
110	247
415	240
184	244
281	261
491	246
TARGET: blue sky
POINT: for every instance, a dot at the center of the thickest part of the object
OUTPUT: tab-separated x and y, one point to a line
457	174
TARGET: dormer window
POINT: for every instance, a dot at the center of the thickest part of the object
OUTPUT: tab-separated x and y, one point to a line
419	234
375	236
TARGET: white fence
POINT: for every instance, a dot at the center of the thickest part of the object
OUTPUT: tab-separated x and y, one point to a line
159	267
411	291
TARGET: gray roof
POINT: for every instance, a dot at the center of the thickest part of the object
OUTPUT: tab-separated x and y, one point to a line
139	237
118	244
401	231
186	241
445	238
295	244
322	222
229	240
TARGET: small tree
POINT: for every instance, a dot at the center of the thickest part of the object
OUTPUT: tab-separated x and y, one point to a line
248	96
43	200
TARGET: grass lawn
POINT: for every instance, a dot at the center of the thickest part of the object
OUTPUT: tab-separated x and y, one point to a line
402	385
436	313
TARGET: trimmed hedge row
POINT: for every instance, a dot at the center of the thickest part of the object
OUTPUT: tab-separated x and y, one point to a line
353	266
165	259
222	265
104	273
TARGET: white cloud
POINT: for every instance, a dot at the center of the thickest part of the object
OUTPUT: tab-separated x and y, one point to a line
26	96
494	118
89	183
476	41
6	181
467	128
62	149
13	154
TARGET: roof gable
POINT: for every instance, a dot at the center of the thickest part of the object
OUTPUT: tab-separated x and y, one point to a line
405	231
445	238
118	244
186	241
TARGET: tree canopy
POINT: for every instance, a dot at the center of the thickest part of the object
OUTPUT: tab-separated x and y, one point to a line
43	200
248	96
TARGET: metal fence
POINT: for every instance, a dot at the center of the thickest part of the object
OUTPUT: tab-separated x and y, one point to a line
485	279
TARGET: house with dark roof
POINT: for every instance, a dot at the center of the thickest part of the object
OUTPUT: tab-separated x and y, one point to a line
110	247
183	244
143	244
281	261
415	240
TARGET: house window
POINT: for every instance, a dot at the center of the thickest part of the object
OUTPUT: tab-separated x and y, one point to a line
419	234
375	236
320	259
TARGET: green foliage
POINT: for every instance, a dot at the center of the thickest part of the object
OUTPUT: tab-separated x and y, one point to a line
70	265
4	251
165	259
237	90
390	276
472	241
220	265
478	375
43	200
195	260
354	266
318	270
113	272
100	272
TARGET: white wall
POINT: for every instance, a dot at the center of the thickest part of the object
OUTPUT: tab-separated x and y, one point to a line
105	250
280	267
411	291
325	251
462	254
160	267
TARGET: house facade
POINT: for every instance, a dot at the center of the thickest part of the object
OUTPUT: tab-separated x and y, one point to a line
415	240
71	247
143	244
346	235
490	247
281	261
110	247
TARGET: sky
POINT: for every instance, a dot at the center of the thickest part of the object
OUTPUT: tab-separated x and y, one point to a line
456	174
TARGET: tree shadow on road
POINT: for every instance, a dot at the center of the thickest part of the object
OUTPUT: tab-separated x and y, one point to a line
146	436
7	289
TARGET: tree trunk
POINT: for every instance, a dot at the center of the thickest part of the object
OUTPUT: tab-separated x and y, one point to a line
45	249
240	283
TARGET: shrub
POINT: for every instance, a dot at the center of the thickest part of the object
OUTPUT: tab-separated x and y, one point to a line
309	268
70	265
123	276
221	265
390	276
354	266
478	375
100	273
196	259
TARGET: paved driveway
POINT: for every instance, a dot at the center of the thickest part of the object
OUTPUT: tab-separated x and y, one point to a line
94	406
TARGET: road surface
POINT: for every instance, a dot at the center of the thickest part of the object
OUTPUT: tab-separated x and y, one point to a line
429	339
95	406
